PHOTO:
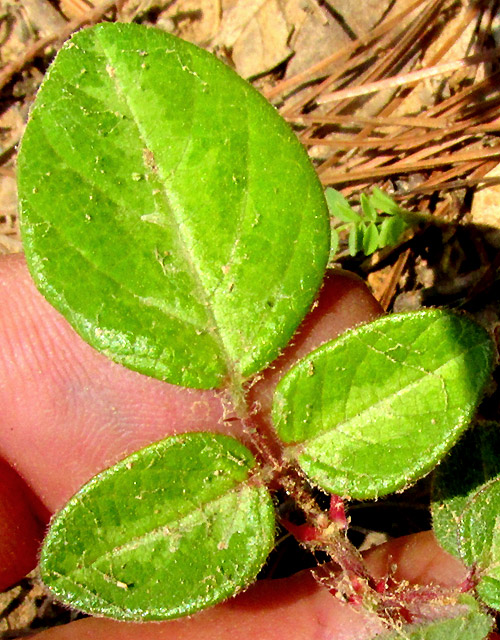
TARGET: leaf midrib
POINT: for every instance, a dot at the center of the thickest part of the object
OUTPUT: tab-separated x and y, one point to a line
347	423
213	326
159	531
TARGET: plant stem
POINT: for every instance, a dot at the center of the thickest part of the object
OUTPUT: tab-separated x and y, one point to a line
330	536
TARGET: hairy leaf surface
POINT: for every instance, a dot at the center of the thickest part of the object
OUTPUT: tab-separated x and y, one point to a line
172	529
376	409
167	210
479	540
474	460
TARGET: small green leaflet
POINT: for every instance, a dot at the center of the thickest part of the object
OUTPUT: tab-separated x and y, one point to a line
373	411
470	624
474	460
340	207
170	530
391	230
384	203
479	540
167	209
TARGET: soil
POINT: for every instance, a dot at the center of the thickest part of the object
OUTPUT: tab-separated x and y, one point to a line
403	95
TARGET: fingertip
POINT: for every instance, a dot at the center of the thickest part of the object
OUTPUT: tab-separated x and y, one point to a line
21	531
296	608
417	559
345	301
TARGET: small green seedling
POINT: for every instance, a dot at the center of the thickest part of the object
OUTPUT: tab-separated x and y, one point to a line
174	219
380	223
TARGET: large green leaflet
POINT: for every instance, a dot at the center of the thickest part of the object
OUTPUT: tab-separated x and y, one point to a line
474	460
369	413
167	210
479	540
172	529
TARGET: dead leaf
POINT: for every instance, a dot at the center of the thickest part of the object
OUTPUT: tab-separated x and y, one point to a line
424	94
257	32
316	35
361	17
12	126
42	16
16	33
75	8
195	20
236	20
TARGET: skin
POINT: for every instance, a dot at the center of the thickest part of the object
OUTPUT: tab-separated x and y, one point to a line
68	412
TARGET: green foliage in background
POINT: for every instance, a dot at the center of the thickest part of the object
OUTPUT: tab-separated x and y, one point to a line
380	223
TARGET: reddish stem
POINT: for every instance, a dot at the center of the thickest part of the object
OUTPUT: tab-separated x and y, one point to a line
301	532
336	511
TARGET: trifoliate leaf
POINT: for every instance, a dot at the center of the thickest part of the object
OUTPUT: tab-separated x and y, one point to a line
373	411
167	210
170	530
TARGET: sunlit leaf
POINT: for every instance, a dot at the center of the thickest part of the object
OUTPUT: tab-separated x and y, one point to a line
172	529
355	242
339	207
373	411
167	210
334	243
